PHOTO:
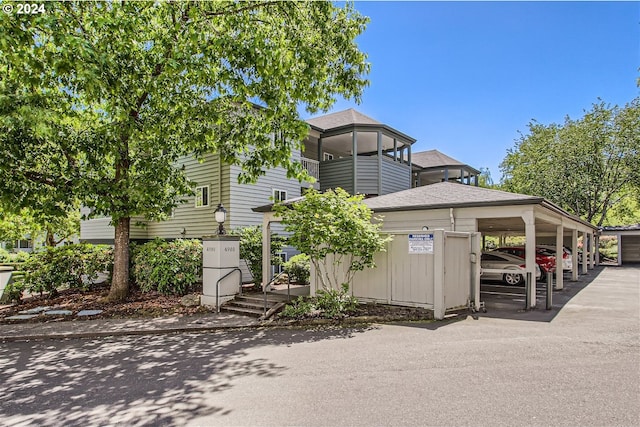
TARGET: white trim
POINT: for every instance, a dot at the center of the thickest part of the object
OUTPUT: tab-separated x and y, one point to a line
199	197
277	269
327	156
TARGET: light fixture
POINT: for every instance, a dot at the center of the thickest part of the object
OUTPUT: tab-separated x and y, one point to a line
221	215
425	228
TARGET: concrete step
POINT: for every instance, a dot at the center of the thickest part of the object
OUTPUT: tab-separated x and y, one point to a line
242	310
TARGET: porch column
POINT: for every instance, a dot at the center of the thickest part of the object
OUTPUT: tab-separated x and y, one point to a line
379	163
266	249
461	176
409	154
395	150
559	255
596	239
446	174
530	254
320	157
354	143
574	255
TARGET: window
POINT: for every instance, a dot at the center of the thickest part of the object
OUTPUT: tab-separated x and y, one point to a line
279	195
24	244
278	268
327	156
202	196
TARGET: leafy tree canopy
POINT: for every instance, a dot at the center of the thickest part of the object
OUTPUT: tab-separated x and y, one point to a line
586	166
99	100
335	230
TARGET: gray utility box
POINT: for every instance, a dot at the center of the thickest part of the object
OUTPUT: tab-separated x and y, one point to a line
221	278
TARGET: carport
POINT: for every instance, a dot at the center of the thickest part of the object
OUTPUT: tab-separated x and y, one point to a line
628	242
464	208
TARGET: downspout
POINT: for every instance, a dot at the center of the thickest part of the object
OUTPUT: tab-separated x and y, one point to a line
453	220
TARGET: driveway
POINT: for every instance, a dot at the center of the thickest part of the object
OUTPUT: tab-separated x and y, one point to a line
579	368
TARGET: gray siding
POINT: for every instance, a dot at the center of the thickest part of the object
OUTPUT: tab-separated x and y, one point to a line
196	222
367	175
337	173
245	197
99	229
395	176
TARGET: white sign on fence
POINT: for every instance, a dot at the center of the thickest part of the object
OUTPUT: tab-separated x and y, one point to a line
420	243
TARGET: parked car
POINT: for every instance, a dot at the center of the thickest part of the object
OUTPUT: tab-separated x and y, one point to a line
545	259
567	261
503	261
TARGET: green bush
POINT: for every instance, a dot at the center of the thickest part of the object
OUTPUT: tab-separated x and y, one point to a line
13	291
168	267
329	304
298	308
336	303
298	267
70	266
9	257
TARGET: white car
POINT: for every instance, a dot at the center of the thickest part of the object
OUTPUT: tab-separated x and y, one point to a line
503	261
567	260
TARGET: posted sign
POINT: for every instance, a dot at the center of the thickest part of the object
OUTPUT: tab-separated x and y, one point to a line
420	243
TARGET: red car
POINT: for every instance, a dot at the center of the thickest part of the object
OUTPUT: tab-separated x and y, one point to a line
545	258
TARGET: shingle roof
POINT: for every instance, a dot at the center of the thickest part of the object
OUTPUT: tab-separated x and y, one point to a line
632	227
342	118
447	194
433	158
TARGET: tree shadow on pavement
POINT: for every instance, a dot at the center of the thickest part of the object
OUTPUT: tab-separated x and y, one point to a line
143	380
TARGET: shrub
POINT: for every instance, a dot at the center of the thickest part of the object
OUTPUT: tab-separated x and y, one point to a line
13	291
298	308
336	303
71	266
330	304
168	267
298	267
8	257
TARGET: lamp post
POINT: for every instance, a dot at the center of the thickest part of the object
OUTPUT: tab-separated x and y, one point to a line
220	215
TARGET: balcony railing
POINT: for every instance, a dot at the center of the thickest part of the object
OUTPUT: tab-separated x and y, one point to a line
311	166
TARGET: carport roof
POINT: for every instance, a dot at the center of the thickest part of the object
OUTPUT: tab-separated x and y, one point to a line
445	195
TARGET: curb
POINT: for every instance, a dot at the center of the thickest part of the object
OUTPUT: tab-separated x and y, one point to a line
104	334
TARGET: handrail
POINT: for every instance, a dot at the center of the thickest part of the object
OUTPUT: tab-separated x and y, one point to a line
273	280
218	286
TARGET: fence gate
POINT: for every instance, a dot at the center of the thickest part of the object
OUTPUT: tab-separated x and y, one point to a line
457	269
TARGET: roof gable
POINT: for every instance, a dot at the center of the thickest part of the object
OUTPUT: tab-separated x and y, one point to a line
342	118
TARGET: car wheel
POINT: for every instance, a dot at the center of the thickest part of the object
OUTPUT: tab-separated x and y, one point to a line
513	279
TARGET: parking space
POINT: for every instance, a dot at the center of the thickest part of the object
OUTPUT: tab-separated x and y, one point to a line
504	301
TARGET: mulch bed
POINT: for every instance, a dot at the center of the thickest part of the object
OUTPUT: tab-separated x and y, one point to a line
152	304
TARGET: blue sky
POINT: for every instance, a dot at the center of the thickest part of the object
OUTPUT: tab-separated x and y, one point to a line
465	77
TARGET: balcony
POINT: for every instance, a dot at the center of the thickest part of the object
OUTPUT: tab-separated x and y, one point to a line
312	167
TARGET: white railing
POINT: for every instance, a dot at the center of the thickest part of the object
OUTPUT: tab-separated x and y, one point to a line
311	166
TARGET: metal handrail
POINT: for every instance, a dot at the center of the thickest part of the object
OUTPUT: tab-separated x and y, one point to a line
218	286
273	280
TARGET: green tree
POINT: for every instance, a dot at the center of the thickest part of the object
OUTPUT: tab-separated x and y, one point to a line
586	166
53	229
99	100
335	230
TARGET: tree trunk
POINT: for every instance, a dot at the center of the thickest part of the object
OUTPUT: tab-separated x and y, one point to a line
120	280
50	241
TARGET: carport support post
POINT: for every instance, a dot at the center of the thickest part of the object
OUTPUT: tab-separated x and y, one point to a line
530	254
574	255
559	255
585	252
